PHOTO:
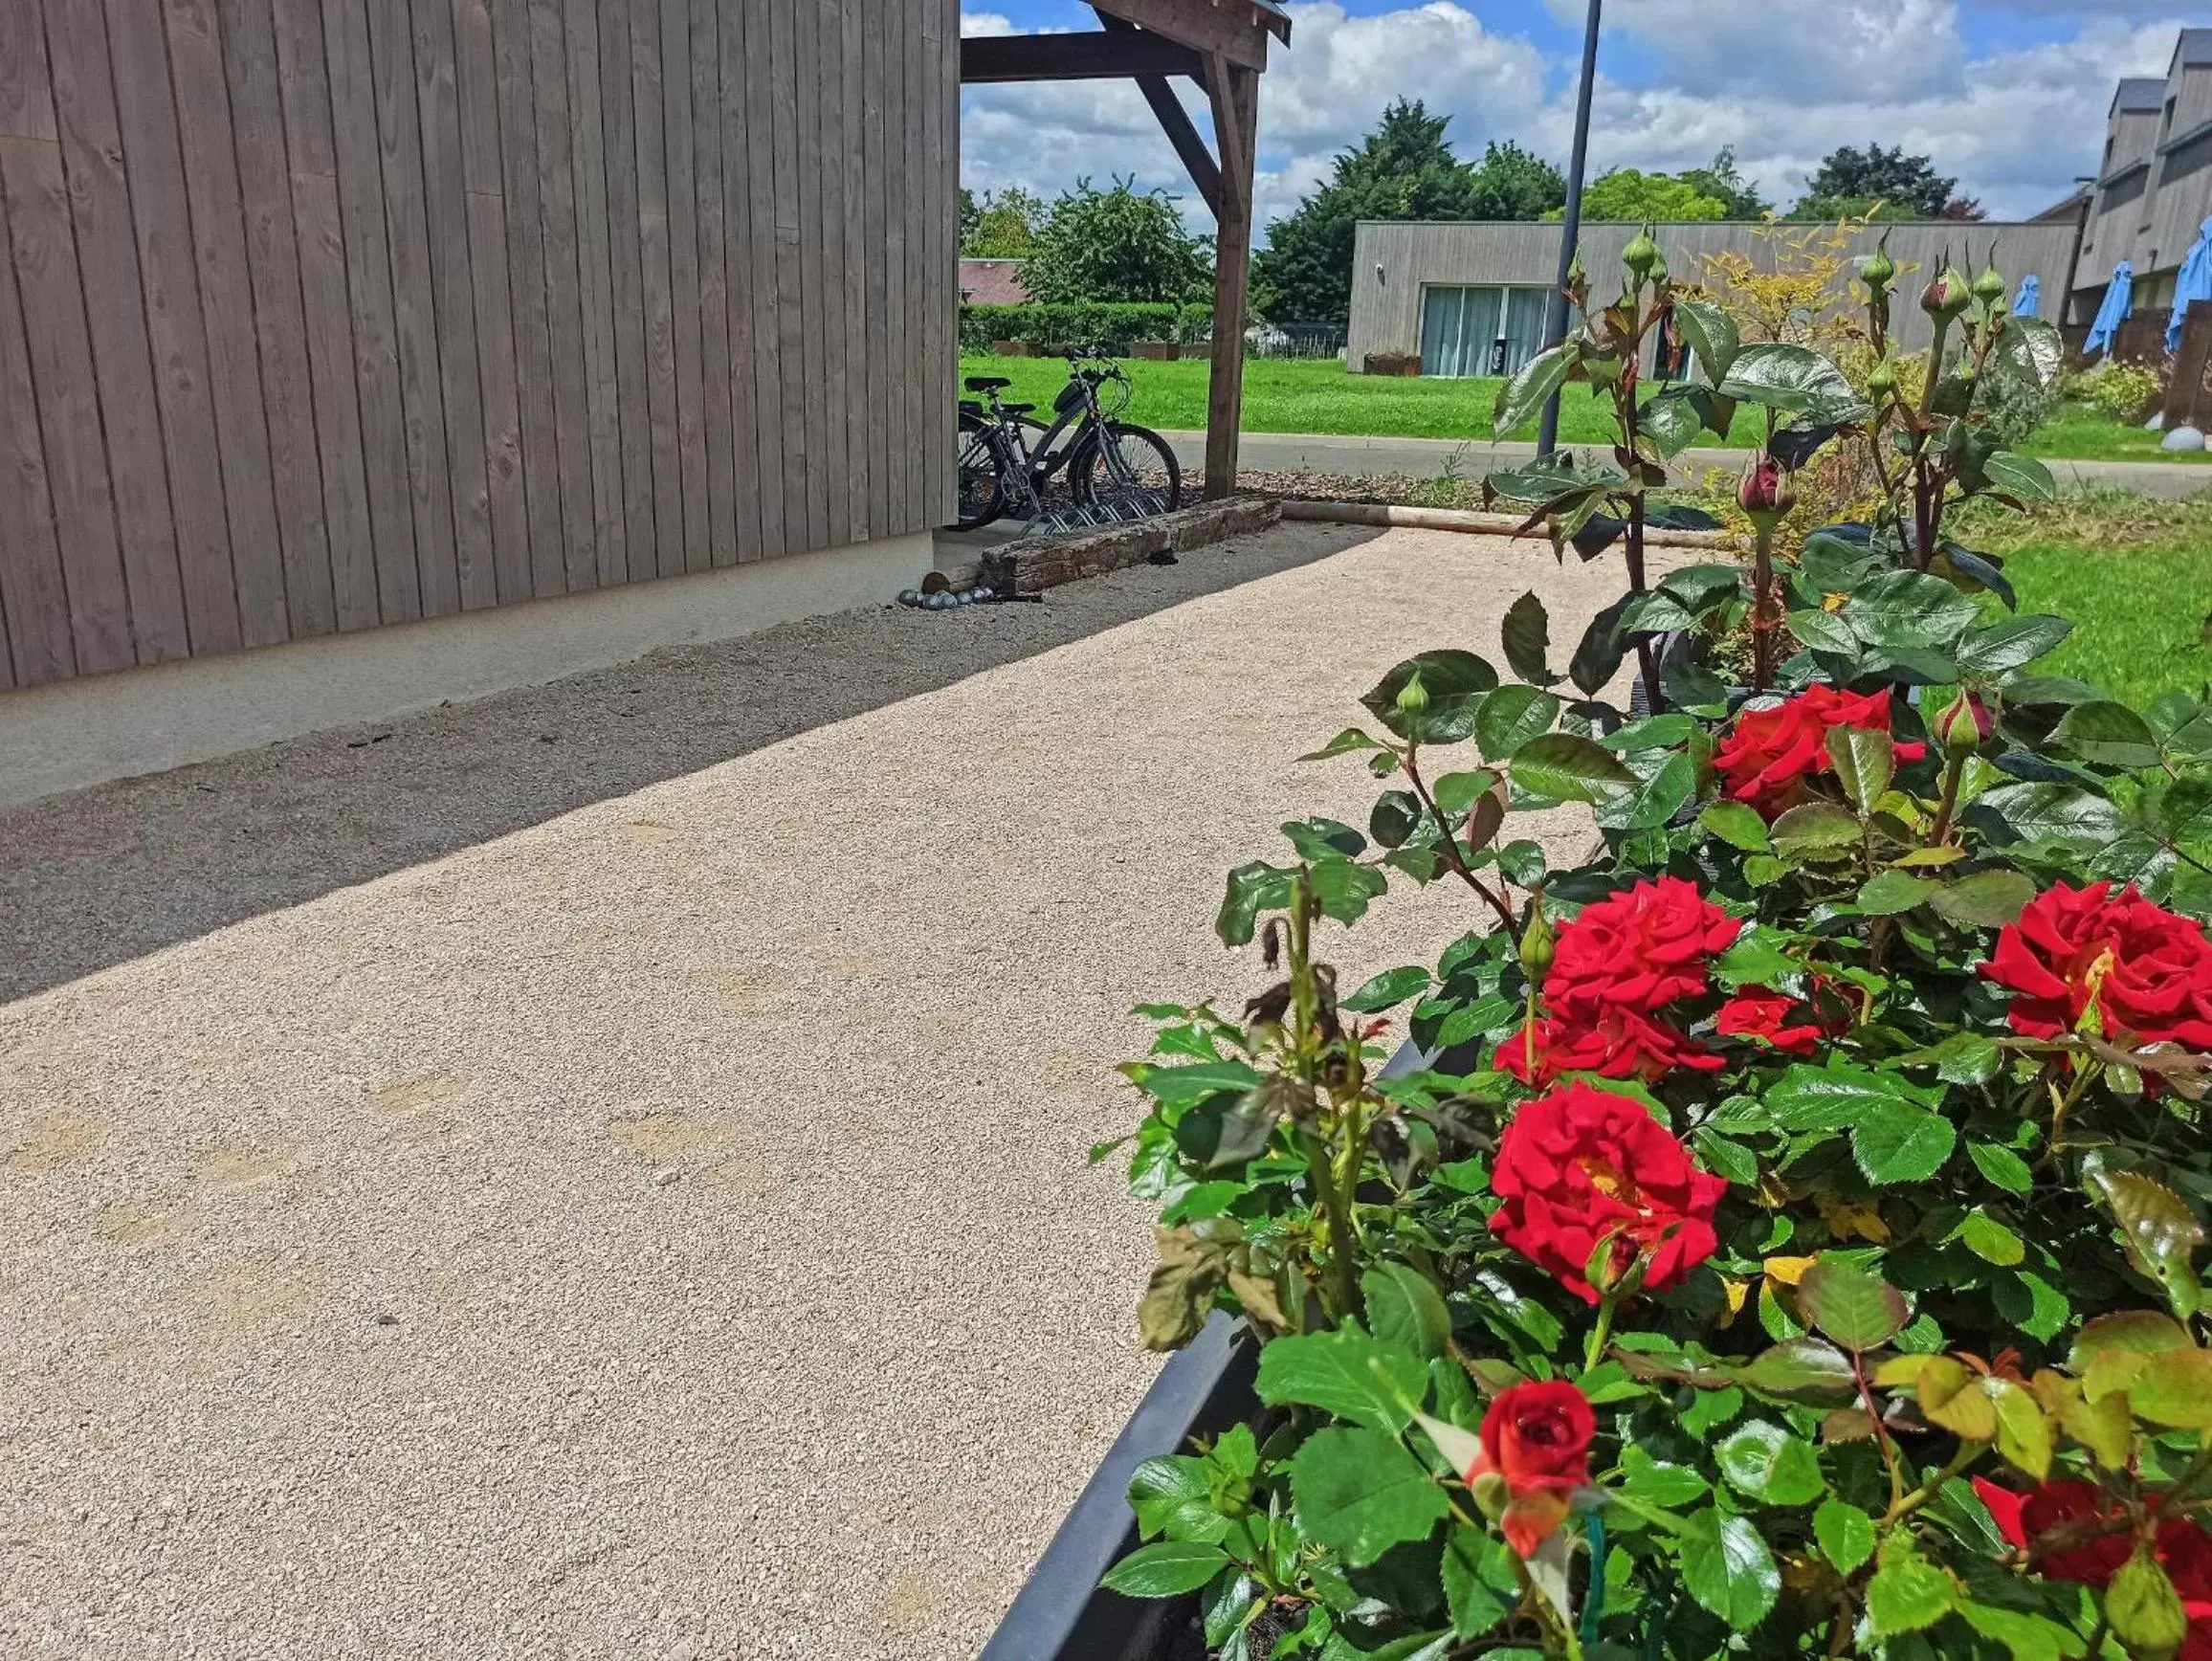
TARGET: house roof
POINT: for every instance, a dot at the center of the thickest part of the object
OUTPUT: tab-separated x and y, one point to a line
2139	93
2194	46
992	282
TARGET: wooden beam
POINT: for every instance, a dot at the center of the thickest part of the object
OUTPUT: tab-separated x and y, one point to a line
1236	102
1176	123
1100	56
2189	365
1233	30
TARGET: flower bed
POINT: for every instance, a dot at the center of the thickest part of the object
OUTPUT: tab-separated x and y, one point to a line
1790	1248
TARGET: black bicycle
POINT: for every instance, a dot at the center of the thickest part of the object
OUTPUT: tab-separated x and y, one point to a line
1114	469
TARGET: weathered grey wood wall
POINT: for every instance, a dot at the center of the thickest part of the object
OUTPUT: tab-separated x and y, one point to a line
318	315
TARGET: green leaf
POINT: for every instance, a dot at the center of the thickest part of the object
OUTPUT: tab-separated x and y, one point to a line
2124	1337
2002	1167
1802	1369
1656	801
1251	888
1166	1569
1511	716
2184	811
2020	476
1905	609
1404	1310
2057	813
1598	655
1386	990
1964	1059
1990	1240
2029	352
1824	631
1317	839
2144	1609
1727	1569
1342	889
1811	826
2008	645
1866	759
1475	1608
1456	793
2107	735
1529	391
1347	1373
1349	741
1674	418
1857	1308
1766	1462
1668	1486
1736	824
2023	1435
1796	378
1983	899
1728	1159
1710	331
1182	1086
2160	1231
1527	638
1171	1496
1845	1535
1358	1492
1888	893
1562	767
1908	1593
2175	1389
1836	1096
1894	1143
1452	683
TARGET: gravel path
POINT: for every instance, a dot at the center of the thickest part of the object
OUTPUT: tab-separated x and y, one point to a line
661	1229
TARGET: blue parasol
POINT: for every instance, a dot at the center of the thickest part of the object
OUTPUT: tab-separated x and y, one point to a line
2119	298
2192	282
2028	302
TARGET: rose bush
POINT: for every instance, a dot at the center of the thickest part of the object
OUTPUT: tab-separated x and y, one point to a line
1780	1237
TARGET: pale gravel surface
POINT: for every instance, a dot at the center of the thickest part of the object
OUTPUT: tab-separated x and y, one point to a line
662	1230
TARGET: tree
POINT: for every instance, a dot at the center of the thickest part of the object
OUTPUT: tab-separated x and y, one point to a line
1405	170
1627	194
1004	225
1121	244
1850	181
1720	178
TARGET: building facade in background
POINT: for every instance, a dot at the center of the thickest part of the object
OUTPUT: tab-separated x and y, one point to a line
2154	185
1468	298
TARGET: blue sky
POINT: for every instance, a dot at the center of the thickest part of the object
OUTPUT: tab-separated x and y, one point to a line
2010	98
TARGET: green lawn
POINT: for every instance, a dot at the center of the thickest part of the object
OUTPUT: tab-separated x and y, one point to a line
1316	395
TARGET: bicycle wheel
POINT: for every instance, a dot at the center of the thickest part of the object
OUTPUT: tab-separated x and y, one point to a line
981	490
1129	469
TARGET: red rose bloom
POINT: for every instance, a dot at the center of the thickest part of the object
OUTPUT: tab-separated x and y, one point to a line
1770	752
1639	950
1790	1025
1536	1438
1579	1164
1612	1044
2023	1518
2148	971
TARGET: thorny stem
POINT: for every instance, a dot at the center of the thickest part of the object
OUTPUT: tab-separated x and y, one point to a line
1954	771
1901	1509
1594	1350
1647	664
2086	1071
1452	854
1762	609
1557	1629
1880	1430
1330	1202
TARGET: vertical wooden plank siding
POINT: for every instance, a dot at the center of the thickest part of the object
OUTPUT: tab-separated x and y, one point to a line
716	418
321	315
123	357
226	307
659	317
738	277
595	282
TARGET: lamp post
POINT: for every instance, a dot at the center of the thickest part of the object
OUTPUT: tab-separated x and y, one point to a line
1571	230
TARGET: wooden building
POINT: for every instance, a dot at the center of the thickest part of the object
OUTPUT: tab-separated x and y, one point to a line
2153	188
364	353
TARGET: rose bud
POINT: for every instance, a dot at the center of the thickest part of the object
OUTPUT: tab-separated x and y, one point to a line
1989	286
1641	254
1658	273
1962	724
1948	295
1413	696
1535	1445
1883	382
1877	270
1765	493
1538	945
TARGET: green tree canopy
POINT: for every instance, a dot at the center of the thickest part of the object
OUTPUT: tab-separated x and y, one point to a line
1721	179
1626	193
1121	244
1405	170
1851	182
1000	223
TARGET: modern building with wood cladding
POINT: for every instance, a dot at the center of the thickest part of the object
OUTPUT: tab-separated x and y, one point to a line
356	354
2154	187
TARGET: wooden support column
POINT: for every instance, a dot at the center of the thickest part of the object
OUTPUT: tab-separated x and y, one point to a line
1235	93
2189	365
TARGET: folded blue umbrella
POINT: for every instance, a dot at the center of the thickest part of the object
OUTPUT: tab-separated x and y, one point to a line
2191	283
2119	301
2028	302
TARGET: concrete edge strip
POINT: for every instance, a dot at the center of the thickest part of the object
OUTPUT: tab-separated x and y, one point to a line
1464	520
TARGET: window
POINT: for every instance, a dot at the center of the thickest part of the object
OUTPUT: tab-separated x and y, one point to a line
1480	330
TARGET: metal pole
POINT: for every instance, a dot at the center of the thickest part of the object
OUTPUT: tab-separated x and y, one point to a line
1571	230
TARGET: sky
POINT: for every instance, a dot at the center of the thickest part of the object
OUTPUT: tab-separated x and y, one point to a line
2009	98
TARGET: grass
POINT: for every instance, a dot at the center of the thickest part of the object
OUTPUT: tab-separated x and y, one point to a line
2080	433
1315	395
2135	575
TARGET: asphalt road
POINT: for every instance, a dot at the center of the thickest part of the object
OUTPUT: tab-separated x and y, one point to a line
1432	458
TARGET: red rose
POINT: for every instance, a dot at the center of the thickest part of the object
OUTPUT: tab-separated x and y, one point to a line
1639	950
1612	1044
1579	1165
2148	972
2023	1518
1790	1025
1536	1438
1771	751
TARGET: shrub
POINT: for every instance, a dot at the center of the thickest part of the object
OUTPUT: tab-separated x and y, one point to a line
1784	1240
1112	324
2126	392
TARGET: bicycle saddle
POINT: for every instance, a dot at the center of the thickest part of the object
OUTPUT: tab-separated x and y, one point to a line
986	382
969	407
1015	409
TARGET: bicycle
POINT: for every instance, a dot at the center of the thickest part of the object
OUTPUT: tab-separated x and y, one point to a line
1115	470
